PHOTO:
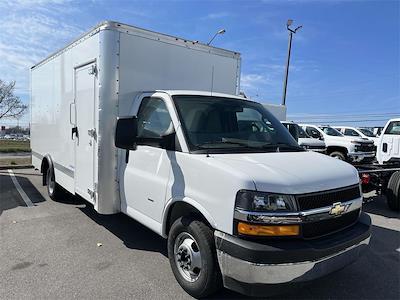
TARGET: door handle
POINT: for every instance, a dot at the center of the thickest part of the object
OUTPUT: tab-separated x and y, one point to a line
74	131
384	147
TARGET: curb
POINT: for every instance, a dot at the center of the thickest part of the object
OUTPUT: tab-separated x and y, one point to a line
16	167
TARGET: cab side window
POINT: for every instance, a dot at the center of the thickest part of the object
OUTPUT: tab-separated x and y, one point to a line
313	132
393	128
154	120
350	132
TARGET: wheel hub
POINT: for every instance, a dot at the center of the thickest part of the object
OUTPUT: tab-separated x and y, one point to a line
187	257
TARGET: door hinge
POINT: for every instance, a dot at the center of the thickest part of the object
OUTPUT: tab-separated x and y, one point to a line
91	193
93	70
92	133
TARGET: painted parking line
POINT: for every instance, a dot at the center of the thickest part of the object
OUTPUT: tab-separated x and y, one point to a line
23	195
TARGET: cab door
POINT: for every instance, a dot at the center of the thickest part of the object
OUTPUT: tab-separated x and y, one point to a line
146	174
390	141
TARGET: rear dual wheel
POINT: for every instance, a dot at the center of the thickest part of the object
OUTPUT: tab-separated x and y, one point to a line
393	191
53	189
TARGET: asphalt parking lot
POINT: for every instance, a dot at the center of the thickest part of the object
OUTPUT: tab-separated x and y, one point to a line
64	250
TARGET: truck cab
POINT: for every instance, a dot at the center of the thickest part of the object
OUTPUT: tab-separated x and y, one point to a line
217	173
351	149
388	150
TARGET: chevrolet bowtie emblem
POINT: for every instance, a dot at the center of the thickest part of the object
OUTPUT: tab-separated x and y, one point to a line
338	208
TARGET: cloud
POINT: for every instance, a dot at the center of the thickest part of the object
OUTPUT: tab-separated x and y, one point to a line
254	84
30	33
219	15
252	80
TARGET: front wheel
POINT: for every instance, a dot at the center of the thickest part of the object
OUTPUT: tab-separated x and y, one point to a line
338	155
192	255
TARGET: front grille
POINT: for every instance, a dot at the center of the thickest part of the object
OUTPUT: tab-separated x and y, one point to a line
324	227
327	198
364	148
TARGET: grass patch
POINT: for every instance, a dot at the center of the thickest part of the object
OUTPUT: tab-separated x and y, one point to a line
9	146
15	161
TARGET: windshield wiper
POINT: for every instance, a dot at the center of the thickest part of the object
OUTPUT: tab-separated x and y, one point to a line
280	146
224	142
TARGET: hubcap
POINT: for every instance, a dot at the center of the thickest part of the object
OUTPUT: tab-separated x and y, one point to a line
187	257
50	182
337	157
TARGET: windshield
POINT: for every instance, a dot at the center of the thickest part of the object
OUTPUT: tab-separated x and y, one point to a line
302	133
225	125
393	128
367	132
330	131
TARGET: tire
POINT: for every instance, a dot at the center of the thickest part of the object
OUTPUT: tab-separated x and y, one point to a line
393	192
339	155
53	189
193	259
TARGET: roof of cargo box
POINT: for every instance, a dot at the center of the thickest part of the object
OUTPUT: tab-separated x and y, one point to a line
112	25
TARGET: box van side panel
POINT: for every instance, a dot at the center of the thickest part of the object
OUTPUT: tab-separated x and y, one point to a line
148	64
52	92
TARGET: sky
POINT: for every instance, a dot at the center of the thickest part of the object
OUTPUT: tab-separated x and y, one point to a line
345	61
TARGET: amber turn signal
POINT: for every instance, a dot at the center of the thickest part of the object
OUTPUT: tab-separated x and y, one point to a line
267	230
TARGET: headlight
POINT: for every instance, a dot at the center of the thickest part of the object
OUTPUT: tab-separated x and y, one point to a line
264	202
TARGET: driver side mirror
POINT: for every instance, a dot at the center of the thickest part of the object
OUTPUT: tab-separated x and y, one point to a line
126	133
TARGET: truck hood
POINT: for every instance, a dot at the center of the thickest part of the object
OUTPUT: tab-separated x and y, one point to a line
291	172
358	139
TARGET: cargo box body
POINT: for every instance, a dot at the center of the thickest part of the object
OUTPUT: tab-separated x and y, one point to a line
78	93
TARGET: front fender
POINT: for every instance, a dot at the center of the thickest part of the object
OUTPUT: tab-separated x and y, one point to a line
191	202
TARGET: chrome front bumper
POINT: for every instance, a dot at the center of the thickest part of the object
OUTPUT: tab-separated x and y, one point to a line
250	267
361	155
254	273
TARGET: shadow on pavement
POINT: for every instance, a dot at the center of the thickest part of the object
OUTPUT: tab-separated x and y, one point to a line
10	197
133	234
379	207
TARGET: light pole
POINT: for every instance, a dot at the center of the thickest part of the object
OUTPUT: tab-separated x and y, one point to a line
285	80
221	31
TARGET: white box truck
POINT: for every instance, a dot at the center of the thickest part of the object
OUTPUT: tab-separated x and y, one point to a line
151	125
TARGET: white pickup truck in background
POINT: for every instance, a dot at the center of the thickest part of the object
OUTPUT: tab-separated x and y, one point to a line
388	150
151	125
339	146
384	175
303	139
358	132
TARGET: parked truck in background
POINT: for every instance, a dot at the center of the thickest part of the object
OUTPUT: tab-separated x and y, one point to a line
358	132
384	175
349	149
303	139
150	125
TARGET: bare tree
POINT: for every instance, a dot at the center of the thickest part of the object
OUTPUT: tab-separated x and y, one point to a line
11	106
